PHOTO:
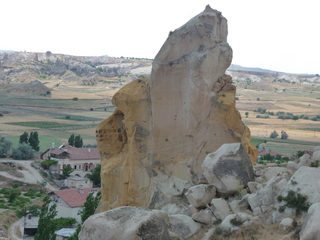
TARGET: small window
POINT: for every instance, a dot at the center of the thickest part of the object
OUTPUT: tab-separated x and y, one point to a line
79	166
75	166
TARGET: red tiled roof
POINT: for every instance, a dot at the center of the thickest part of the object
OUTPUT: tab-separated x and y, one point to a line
78	153
73	197
266	151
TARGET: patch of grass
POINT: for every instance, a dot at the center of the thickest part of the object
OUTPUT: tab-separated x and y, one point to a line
310	129
79	119
44	125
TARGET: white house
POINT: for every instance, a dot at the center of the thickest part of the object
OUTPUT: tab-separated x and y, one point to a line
69	201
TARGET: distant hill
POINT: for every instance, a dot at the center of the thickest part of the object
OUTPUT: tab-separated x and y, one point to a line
234	67
6	51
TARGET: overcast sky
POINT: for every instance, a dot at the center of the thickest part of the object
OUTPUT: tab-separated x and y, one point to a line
281	35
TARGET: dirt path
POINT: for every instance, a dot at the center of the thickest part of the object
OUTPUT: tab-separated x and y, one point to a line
13	229
31	175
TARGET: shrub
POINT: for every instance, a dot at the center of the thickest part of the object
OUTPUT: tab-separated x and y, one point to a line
15	185
23	152
284	135
296	201
315	164
274	134
236	222
75	99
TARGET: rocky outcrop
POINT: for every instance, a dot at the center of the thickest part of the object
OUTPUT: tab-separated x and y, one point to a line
154	144
310	229
229	168
127	223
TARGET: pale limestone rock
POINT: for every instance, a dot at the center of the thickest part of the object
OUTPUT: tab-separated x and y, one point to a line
243	218
252	186
264	196
163	126
305	181
183	225
316	154
173	208
126	223
305	160
220	208
286	224
205	216
310	229
229	168
270	172
201	195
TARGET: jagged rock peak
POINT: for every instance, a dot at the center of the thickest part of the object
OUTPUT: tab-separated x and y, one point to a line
154	144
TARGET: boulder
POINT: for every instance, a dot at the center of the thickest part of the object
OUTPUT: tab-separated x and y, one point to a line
310	229
205	216
270	172
286	225
305	160
165	124
220	208
229	168
183	226
264	196
234	221
173	208
201	195
126	223
316	154
305	181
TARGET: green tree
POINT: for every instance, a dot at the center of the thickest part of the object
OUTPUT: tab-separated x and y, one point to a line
5	147
274	134
86	211
95	175
71	140
23	152
67	170
24	138
284	135
78	143
46	225
247	114
34	141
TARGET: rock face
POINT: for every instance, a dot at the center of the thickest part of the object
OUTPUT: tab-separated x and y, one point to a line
154	144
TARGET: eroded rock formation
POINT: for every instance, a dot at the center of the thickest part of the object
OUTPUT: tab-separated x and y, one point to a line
154	144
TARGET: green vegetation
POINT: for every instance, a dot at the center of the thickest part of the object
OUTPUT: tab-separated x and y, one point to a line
75	141
95	175
294	200
5	147
67	170
45	125
87	210
46	227
23	152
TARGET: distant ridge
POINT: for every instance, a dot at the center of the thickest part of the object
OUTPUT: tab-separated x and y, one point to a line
6	51
234	67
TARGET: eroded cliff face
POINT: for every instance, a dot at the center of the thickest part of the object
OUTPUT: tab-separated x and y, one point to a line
153	146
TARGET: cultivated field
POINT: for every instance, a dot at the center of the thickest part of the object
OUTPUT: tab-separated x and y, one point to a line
93	104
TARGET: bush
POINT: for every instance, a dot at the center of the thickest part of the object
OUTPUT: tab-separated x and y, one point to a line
75	99
23	152
284	135
274	134
296	201
15	185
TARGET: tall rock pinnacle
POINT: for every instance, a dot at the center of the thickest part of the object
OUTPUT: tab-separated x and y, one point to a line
153	145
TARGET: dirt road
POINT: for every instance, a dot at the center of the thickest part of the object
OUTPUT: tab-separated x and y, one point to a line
30	175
